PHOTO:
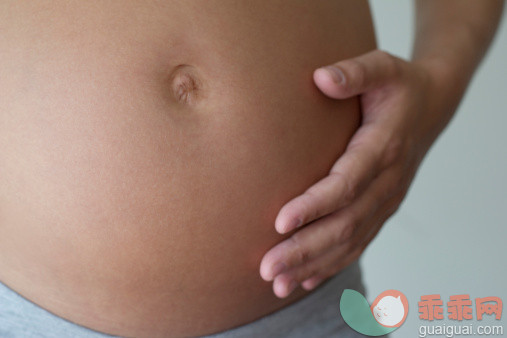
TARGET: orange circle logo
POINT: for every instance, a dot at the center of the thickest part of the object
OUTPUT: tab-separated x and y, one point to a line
390	308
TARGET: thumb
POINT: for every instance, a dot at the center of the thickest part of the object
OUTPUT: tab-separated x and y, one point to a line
357	75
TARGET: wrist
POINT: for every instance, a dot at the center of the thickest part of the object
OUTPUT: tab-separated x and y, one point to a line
448	79
449	59
444	86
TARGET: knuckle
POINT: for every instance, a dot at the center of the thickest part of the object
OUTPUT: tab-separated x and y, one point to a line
356	71
348	229
350	190
350	247
301	252
401	190
392	188
395	203
391	62
310	205
393	151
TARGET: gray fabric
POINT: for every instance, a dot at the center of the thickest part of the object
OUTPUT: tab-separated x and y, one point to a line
316	315
20	318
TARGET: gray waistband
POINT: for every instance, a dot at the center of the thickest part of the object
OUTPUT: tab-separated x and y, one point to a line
316	315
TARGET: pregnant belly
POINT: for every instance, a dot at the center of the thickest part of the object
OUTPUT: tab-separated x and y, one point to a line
145	151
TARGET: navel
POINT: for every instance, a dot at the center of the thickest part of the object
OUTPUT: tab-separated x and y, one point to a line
186	86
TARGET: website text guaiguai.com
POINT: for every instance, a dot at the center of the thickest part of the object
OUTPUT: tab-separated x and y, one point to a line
460	330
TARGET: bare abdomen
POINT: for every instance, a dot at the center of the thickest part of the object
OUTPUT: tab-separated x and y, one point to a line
132	212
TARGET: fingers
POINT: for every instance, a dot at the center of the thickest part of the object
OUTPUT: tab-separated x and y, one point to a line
322	247
349	176
357	75
364	238
338	256
340	227
332	269
313	273
317	267
308	243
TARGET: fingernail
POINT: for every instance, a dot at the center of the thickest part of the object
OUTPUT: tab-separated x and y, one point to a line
295	223
312	283
336	74
278	268
292	285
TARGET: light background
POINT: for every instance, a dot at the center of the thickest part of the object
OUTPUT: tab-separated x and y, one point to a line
449	235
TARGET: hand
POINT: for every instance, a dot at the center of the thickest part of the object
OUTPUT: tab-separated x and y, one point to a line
344	211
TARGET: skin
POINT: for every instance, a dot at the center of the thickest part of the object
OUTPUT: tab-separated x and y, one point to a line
146	148
105	106
405	106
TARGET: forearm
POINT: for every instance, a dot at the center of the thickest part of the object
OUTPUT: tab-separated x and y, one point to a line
451	39
455	33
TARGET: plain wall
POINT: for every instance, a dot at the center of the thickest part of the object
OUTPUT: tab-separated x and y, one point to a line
448	237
